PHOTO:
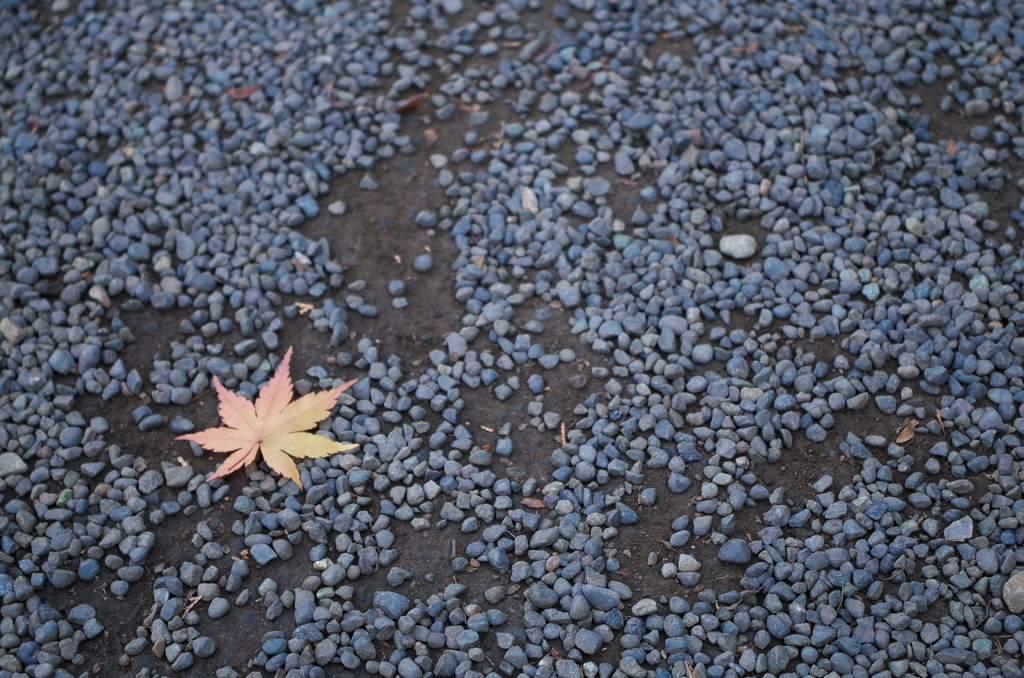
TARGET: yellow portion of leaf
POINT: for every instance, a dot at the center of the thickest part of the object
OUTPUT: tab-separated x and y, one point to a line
280	462
275	426
306	412
308	445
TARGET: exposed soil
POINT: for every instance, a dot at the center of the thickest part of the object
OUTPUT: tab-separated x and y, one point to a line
955	127
377	240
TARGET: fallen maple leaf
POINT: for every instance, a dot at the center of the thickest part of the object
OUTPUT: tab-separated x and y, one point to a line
274	425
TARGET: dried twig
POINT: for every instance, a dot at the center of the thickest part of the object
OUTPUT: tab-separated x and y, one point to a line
894	574
938	415
152	615
192	602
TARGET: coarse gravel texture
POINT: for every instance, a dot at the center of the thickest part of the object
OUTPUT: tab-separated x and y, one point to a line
689	337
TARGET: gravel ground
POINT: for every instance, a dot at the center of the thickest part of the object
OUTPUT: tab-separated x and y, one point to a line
688	337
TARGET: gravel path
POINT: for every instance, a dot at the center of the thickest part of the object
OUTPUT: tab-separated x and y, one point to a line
688	337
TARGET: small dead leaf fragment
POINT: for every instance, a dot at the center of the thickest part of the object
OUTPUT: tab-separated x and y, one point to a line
908	432
530	201
749	48
303	308
430	136
274	425
695	136
952	148
410	103
533	502
242	91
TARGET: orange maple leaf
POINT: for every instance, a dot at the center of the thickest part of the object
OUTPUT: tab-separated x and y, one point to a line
274	425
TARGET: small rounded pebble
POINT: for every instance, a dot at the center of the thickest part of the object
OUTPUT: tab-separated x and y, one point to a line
423	263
